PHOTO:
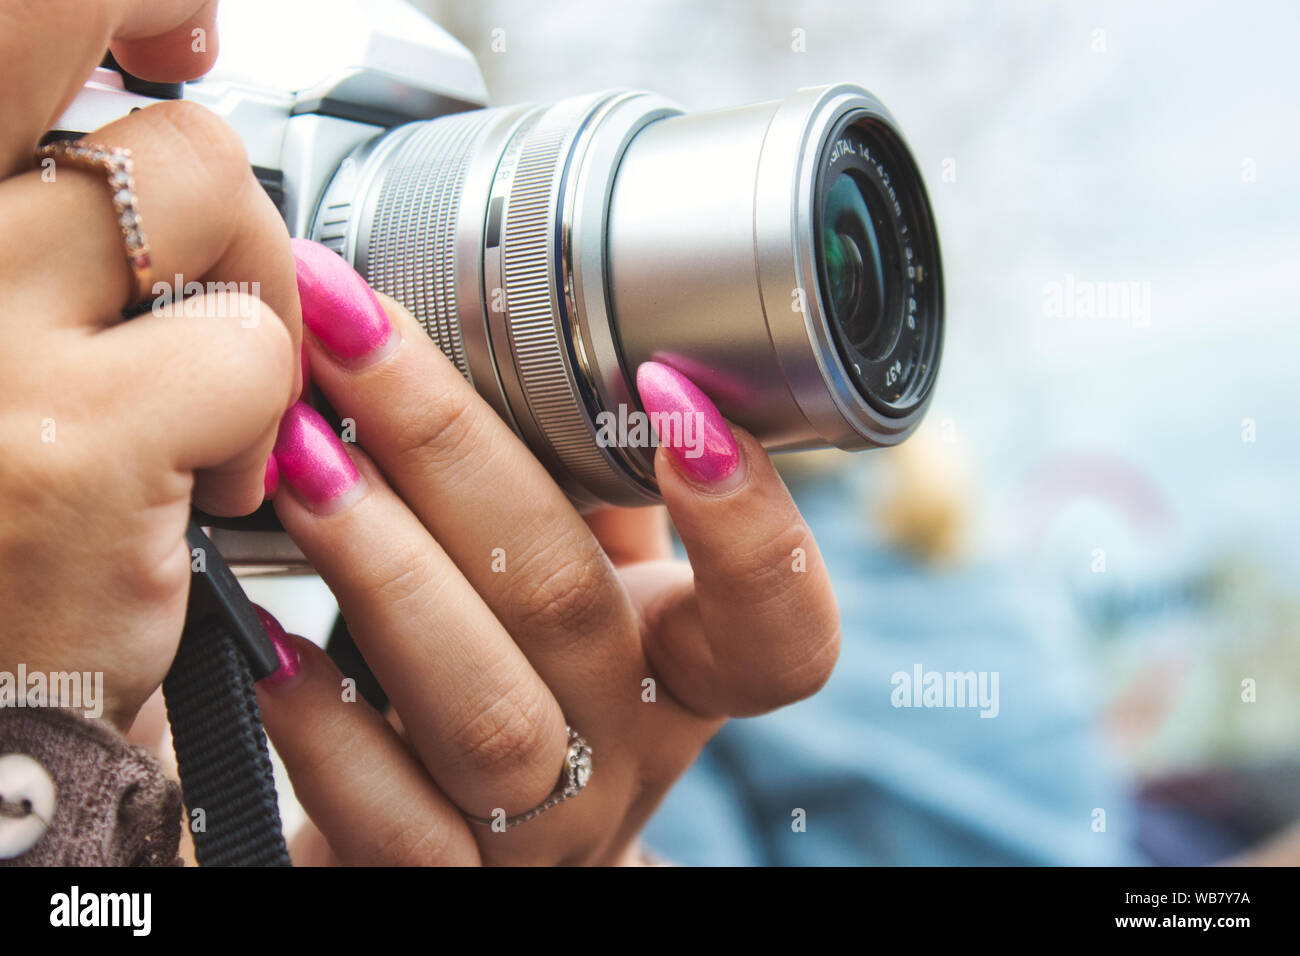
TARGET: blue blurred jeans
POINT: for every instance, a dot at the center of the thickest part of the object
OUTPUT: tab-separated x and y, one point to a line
879	784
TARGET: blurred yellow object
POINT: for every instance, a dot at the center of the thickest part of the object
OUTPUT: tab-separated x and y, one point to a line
924	500
811	465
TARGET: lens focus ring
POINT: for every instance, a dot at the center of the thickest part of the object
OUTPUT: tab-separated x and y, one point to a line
409	252
535	322
528	267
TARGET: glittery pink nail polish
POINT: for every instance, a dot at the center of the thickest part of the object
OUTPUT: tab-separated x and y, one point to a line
314	462
271	483
704	449
285	650
338	306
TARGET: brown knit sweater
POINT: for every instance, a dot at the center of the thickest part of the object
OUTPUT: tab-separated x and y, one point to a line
113	805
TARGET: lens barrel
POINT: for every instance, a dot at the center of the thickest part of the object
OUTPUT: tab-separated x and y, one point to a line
782	255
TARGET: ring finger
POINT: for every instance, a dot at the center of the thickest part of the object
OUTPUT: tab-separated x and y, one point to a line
207	221
201	207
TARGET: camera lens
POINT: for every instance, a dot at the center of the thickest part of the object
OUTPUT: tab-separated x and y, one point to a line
782	255
854	274
878	264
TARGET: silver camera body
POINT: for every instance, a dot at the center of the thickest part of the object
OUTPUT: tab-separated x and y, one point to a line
782	255
406	68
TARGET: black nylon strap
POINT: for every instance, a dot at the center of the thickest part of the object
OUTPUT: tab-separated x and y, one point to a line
216	726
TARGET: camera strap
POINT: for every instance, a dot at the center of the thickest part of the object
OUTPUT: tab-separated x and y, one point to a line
221	750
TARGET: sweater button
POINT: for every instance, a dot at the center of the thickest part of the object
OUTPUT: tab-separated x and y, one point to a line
26	804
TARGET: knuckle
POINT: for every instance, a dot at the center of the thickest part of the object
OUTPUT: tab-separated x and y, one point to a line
763	574
794	678
218	151
250	351
251	323
508	732
398	579
799	611
569	596
808	677
443	433
271	342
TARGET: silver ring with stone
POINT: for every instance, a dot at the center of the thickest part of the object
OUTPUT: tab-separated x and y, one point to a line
574	775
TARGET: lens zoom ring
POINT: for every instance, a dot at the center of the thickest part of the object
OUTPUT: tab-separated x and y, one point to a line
528	271
412	251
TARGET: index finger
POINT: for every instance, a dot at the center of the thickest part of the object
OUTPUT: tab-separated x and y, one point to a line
759	627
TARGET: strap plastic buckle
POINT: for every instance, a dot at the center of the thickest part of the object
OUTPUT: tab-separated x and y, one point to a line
214	590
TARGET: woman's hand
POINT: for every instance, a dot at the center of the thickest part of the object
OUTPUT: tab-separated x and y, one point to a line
107	427
493	614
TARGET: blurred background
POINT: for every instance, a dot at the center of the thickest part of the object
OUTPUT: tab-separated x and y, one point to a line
1101	508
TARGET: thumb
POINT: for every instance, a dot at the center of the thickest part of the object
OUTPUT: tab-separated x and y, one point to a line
168	42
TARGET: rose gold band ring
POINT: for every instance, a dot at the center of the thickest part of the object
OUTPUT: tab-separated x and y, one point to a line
116	163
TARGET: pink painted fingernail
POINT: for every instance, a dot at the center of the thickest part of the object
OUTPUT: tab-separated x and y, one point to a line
272	481
339	307
285	650
702	445
314	462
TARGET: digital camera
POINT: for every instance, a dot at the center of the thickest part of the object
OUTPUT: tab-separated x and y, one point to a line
783	255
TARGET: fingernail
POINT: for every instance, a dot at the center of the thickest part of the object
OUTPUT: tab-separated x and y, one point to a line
285	650
702	446
339	307
314	462
272	481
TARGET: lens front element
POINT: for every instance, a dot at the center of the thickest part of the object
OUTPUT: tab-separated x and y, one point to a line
854	271
878	264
